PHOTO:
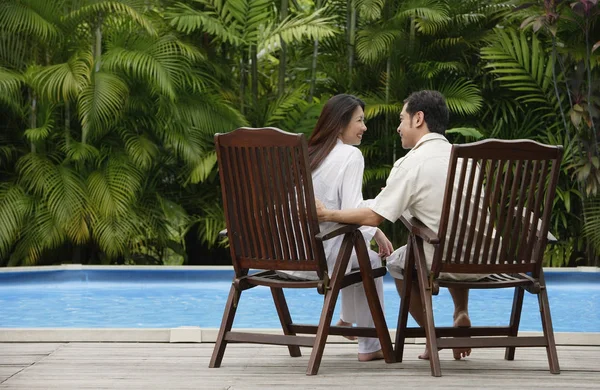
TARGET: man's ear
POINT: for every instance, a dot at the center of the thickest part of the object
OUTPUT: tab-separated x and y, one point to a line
419	118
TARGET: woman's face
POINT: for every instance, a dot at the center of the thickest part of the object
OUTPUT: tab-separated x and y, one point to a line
352	134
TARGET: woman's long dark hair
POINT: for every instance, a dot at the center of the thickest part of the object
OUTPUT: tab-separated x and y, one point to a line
335	116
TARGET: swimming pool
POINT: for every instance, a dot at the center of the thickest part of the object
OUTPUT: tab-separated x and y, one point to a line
178	297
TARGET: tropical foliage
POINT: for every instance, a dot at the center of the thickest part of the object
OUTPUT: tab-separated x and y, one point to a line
109	107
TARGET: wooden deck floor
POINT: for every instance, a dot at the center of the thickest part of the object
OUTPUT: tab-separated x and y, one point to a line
131	366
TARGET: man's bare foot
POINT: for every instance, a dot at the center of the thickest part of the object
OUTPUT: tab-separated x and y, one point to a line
367	357
461	320
344	323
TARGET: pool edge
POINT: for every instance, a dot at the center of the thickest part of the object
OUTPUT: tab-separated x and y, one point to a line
65	267
193	334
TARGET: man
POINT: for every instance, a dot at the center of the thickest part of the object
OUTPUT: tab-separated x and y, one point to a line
415	185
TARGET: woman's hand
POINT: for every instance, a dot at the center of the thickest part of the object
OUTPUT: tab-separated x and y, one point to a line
385	246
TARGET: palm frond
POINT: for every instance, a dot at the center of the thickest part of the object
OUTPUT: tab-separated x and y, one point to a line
210	223
522	67
290	102
8	154
10	89
64	81
370	9
36	173
101	102
591	227
42	132
113	234
467	132
95	10
34	18
114	188
374	44
375	108
187	20
15	50
41	233
141	150
447	43
430	15
296	29
378	174
203	168
207	111
252	16
430	69
158	63
462	96
67	201
15	207
62	192
78	151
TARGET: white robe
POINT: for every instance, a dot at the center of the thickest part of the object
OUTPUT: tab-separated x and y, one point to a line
337	183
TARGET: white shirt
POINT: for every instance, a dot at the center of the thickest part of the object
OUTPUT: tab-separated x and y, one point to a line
337	182
416	185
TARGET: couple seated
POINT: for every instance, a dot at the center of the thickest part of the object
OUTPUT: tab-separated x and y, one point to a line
414	187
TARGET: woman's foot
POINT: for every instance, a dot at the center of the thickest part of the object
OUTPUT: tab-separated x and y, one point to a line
344	323
425	354
367	357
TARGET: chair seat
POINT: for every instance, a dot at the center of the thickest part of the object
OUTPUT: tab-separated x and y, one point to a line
274	279
494	281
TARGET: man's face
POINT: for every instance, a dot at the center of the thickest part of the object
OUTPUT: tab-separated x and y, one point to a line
408	133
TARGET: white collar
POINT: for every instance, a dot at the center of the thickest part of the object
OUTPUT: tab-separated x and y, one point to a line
430	137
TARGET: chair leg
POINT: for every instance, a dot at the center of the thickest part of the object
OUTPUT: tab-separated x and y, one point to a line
404	303
426	298
226	324
285	318
329	305
383	332
547	327
515	319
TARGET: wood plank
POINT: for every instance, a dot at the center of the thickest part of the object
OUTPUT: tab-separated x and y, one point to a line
185	366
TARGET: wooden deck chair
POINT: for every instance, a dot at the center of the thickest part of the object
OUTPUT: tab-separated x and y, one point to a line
272	226
495	217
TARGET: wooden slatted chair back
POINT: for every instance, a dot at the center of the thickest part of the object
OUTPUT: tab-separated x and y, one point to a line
497	205
268	201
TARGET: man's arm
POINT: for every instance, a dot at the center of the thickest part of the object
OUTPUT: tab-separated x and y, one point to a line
361	216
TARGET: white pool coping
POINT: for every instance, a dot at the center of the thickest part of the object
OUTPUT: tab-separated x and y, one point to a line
193	334
65	267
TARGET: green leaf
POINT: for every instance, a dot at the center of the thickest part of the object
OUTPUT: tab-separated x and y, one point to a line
101	103
466	132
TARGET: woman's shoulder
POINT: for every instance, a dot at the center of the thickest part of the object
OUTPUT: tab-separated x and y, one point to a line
348	152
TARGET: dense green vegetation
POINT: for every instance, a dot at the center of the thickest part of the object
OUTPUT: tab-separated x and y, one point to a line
108	108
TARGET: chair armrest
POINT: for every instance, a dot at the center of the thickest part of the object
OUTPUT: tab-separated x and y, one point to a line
418	228
336	230
222	234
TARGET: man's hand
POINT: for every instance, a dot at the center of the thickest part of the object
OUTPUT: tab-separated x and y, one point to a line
321	210
385	246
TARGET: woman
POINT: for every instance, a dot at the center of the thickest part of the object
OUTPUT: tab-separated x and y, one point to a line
337	171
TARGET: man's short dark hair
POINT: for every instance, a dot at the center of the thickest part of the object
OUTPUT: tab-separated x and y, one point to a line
433	106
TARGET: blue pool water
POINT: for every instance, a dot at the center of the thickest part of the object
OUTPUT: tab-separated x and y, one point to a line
173	298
